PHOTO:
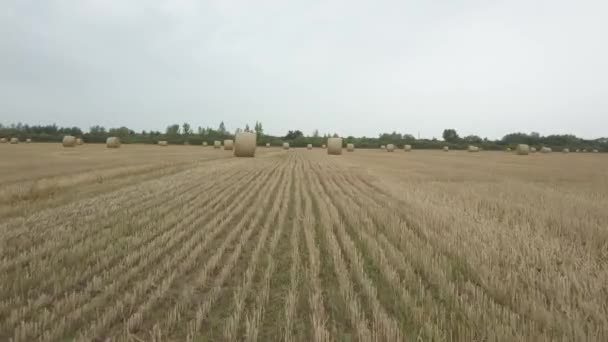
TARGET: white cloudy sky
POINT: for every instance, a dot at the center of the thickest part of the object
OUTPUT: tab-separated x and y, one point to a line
352	67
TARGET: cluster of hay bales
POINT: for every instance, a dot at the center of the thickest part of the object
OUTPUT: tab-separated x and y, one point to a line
334	146
545	149
473	148
446	149
113	142
522	150
286	146
245	144
228	145
390	148
163	143
309	146
350	147
407	148
217	144
69	141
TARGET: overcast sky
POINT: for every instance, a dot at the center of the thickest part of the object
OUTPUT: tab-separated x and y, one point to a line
351	67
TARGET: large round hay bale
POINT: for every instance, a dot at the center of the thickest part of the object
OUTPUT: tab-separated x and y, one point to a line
244	145
446	149
3	140
14	140
383	147
473	149
350	147
522	149
228	145
204	143
595	151
267	144
407	148
217	144
334	146
533	149
309	146
566	150
113	142
79	141
390	148
546	150
69	141
28	140
508	149
286	146
163	143
323	146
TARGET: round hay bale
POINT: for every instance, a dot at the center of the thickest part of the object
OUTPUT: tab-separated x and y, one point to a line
382	147
286	146
113	142
390	148
228	145
522	149
3	140
533	149
217	144
350	147
407	148
28	140
69	141
546	150
446	149
14	140
204	143
309	146
334	146
267	144
79	141
244	145
566	150
163	143
473	149
595	151
584	150
323	146
508	149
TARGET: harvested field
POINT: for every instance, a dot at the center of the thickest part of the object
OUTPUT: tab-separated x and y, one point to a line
186	243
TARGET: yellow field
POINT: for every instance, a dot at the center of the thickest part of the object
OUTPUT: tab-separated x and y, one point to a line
145	243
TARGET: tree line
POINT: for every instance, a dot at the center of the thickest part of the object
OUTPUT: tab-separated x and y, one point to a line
186	134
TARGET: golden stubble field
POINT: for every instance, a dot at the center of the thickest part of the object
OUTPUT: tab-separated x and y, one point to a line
186	243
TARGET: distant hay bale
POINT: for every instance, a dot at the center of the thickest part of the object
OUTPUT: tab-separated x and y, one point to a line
323	146
309	146
14	140
334	146
382	147
407	148
113	142
533	149
584	150
28	140
245	144
350	147
79	141
163	143
204	143
522	149
508	149
446	149
69	141
566	150
217	144
473	148
577	150
267	144
286	146
595	151
546	150
390	148
3	140
228	145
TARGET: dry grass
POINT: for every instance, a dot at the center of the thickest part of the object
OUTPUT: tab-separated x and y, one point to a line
301	246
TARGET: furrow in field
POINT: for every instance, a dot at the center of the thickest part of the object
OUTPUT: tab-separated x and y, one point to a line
190	219
103	271
384	326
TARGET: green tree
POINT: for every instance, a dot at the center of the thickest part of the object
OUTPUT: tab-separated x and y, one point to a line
173	130
450	135
247	128
222	128
258	129
315	133
186	128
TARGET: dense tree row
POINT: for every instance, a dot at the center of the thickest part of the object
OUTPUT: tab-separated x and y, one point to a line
185	134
